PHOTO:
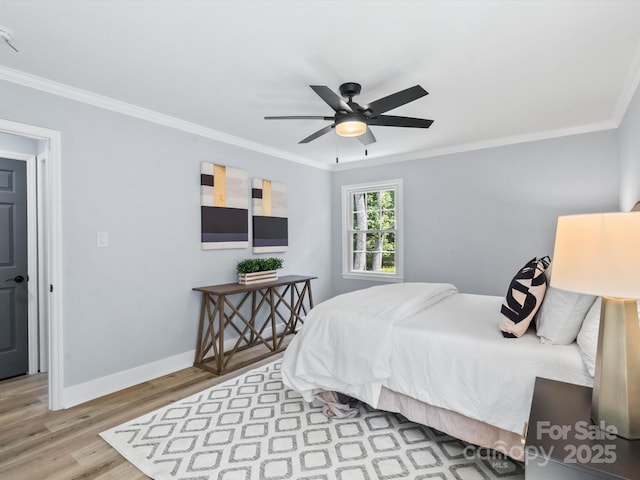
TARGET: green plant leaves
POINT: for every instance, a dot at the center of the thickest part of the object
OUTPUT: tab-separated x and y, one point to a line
251	265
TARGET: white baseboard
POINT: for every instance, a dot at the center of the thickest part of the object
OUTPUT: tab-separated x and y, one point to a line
99	387
86	391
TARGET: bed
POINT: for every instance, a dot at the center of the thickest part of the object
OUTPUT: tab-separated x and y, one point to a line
432	354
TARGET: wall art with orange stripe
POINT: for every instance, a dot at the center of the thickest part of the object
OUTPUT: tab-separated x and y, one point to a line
270	222
224	207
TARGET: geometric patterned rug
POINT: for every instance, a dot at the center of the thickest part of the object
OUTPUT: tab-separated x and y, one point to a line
252	427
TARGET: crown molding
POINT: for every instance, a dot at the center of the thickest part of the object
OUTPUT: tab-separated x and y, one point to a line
629	89
101	101
467	147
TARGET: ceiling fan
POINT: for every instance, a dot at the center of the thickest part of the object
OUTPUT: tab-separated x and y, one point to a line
352	120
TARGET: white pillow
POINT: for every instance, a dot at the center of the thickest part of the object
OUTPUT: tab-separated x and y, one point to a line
588	337
560	316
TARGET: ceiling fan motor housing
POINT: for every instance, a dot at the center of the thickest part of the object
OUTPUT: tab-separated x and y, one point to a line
350	89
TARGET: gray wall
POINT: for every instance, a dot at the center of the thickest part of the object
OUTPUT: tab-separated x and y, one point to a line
474	218
132	303
629	134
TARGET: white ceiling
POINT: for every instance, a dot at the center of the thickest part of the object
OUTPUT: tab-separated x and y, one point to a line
498	72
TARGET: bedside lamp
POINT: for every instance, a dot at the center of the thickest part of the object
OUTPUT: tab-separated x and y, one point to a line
599	254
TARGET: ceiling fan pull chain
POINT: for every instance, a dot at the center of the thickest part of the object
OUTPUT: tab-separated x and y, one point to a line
8	38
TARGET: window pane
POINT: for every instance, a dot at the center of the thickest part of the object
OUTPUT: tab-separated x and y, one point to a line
374	252
389	253
391	195
389	241
359	251
373	219
388	213
389	263
360	211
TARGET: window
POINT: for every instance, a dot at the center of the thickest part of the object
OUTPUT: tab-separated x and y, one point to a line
372	231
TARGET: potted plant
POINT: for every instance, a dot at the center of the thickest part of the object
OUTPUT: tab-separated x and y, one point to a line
255	270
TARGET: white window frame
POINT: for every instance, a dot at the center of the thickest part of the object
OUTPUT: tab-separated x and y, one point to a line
347	231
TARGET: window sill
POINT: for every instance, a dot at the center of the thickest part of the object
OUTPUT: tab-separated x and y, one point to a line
373	277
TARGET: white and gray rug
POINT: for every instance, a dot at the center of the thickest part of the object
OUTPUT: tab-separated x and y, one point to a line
253	428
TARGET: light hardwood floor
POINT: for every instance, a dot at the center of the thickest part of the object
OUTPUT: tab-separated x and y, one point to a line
36	444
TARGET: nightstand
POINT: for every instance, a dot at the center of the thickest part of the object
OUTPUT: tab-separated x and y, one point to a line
562	442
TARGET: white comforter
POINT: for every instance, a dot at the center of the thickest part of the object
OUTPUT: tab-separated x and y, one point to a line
423	341
345	342
452	355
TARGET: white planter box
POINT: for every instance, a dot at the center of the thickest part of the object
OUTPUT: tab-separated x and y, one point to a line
257	277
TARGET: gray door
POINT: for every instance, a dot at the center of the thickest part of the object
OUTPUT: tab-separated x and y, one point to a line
14	354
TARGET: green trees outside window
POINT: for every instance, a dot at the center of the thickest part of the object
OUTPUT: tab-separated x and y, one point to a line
373	231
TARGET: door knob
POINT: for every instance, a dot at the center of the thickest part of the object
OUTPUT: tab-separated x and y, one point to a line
17	279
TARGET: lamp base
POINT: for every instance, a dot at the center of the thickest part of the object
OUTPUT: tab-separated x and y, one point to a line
616	386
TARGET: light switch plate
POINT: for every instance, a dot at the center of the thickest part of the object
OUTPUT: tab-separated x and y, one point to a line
103	239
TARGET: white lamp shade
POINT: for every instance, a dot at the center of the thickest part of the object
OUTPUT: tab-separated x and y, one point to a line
598	254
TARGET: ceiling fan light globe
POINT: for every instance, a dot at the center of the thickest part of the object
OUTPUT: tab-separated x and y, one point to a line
351	128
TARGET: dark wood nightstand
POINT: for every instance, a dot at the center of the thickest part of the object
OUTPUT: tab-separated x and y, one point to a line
562	442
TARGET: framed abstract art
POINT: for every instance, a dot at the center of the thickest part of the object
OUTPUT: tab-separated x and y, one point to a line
270	222
224	207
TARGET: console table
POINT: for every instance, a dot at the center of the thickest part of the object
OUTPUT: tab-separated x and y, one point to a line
252	312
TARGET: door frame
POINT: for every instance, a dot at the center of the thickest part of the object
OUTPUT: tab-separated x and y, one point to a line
50	237
33	285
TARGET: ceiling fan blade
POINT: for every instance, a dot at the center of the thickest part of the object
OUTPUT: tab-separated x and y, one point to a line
396	100
299	117
367	137
317	134
394	121
333	100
